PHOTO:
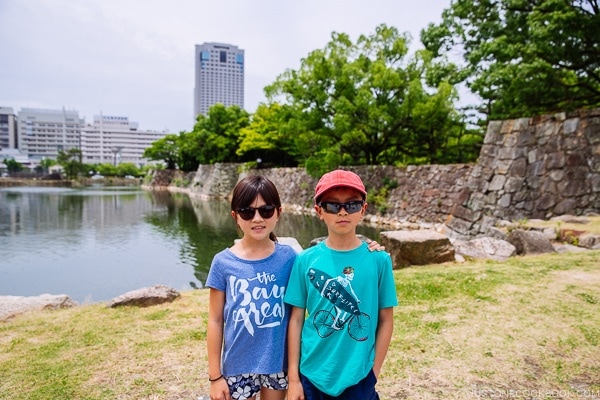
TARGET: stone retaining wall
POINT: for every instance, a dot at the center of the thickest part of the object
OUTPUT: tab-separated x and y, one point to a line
532	168
537	167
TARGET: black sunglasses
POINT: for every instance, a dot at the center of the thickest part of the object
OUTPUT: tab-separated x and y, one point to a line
247	213
332	207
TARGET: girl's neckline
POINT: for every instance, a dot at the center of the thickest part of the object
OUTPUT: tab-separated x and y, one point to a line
250	253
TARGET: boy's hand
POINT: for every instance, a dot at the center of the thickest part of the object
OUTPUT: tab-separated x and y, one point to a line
374	246
295	391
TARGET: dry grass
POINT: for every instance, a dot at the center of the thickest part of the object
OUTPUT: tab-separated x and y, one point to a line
526	328
589	224
533	339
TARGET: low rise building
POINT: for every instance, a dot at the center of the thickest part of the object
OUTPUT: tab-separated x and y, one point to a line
8	128
42	133
115	140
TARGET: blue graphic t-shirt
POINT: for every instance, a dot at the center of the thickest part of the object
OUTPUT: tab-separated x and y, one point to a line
255	315
342	292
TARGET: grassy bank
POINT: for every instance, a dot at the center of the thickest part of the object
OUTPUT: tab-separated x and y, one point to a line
525	328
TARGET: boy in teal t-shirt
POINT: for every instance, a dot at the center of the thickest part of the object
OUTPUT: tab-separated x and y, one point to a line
343	297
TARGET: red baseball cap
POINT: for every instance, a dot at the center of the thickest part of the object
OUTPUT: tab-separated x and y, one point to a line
339	178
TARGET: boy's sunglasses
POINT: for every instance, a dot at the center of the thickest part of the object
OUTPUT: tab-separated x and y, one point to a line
332	207
247	213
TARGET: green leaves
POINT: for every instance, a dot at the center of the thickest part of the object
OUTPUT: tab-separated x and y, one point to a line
355	103
523	57
71	162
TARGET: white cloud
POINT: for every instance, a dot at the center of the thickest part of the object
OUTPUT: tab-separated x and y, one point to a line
135	57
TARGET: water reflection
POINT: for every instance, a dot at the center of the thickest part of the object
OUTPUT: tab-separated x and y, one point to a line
99	242
205	227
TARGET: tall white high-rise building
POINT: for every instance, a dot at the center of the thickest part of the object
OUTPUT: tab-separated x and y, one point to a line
219	70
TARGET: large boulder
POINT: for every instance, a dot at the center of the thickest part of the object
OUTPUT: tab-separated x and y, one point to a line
418	247
485	248
290	241
145	297
589	241
530	242
11	306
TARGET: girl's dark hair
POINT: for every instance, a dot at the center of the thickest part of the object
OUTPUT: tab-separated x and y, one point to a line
247	189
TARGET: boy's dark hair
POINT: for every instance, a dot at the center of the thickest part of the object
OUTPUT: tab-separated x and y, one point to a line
246	190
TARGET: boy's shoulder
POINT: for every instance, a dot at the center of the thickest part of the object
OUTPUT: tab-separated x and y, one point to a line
312	250
321	248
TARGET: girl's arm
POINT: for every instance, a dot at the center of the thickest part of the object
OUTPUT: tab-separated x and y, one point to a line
295	391
214	341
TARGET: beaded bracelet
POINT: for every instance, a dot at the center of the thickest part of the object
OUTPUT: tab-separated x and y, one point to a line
216	379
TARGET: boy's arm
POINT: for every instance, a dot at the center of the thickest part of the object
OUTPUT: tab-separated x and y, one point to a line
295	391
385	328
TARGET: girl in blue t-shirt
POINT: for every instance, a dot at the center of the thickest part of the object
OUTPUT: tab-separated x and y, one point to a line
247	318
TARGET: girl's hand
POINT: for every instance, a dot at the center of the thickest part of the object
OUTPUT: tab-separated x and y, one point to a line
219	390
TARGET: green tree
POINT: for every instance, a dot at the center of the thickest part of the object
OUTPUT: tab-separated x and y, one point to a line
268	138
522	57
127	168
46	163
71	162
217	135
364	103
165	149
190	147
13	166
106	169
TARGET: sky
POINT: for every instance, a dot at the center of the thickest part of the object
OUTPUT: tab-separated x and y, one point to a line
135	58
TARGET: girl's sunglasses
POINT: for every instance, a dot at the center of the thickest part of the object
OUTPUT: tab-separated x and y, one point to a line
332	207
247	213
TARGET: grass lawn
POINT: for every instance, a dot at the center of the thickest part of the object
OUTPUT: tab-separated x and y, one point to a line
527	328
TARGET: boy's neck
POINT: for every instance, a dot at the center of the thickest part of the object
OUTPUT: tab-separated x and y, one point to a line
343	242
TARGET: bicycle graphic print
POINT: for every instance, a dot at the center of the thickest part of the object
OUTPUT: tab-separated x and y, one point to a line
338	290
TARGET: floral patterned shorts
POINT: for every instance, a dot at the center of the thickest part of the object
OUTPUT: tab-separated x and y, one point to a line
243	387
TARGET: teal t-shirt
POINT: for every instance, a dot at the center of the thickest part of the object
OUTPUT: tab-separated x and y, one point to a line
342	292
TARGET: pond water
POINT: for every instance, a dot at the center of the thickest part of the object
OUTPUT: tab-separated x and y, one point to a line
98	242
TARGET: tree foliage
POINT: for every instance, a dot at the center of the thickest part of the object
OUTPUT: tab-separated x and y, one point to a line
267	138
106	169
367	103
71	162
216	136
523	57
165	149
46	163
13	166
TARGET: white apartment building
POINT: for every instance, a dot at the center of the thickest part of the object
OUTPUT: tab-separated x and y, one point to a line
42	133
109	139
8	128
115	140
219	71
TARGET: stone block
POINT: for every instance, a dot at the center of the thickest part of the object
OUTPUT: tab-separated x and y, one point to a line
145	297
530	242
485	248
420	247
11	306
